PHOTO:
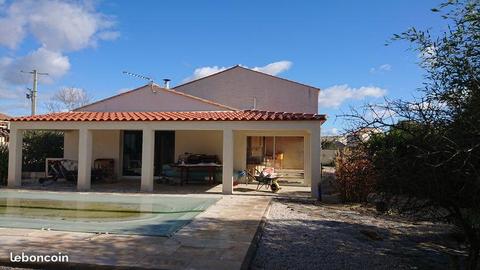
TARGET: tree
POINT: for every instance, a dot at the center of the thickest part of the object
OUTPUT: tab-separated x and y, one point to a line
68	99
429	153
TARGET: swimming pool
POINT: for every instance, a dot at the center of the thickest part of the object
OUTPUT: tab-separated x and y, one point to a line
155	215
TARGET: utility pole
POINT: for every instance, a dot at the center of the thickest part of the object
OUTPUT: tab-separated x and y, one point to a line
33	92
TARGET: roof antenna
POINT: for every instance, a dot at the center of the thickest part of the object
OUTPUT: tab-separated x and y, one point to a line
150	80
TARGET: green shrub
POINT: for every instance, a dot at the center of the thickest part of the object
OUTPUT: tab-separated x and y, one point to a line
39	145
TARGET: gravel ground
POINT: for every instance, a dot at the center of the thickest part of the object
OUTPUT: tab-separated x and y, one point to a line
303	234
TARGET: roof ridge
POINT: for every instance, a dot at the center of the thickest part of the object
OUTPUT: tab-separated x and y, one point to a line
197	98
161	88
213	74
245	68
278	77
110	97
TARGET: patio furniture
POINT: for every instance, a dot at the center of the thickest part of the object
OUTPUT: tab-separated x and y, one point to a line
186	170
57	168
104	168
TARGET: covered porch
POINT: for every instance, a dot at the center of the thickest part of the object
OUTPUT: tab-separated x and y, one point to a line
89	136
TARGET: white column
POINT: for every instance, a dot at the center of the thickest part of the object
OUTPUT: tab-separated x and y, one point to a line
84	159
15	158
315	160
227	175
307	173
148	150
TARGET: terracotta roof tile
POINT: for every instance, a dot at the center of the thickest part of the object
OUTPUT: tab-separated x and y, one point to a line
247	115
4	116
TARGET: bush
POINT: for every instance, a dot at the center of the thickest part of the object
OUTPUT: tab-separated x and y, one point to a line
355	175
39	145
3	164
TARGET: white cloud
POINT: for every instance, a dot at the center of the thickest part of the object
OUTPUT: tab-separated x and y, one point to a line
57	25
381	69
203	72
334	96
53	63
330	131
272	69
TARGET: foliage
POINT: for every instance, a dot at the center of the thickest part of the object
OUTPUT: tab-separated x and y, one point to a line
39	145
355	175
329	144
68	99
3	164
430	152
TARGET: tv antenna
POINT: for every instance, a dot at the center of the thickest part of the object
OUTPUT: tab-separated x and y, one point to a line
150	80
32	93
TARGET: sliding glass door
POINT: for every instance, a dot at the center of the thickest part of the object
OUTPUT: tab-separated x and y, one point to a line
132	151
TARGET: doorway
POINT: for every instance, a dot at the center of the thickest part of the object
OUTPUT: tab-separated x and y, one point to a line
283	153
164	152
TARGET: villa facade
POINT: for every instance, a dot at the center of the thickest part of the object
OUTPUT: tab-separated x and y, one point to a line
245	118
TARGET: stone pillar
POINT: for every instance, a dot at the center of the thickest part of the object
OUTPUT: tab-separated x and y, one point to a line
315	166
84	159
15	158
227	175
148	150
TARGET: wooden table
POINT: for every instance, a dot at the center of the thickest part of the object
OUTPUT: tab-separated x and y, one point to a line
211	168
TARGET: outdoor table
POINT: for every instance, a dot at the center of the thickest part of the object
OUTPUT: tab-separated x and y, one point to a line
211	168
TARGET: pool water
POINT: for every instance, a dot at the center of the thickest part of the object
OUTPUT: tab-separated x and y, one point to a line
157	215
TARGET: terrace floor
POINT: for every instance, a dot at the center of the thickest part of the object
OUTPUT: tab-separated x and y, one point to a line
133	186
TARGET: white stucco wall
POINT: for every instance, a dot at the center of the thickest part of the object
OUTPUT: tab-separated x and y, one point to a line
105	144
238	86
70	144
199	142
146	100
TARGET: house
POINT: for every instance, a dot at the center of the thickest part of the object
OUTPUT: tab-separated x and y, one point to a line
4	127
361	135
246	118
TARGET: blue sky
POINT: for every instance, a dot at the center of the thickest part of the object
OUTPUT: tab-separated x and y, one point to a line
338	46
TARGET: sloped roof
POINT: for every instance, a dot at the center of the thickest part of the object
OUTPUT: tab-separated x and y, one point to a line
4	117
247	115
244	68
158	88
